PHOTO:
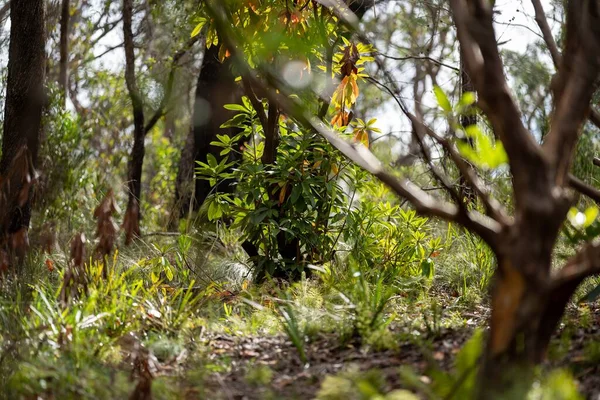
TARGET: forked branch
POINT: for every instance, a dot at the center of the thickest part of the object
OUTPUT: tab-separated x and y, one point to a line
493	207
574	85
584	264
475	30
584	188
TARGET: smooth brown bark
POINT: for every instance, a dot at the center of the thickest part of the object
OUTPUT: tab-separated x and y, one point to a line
25	98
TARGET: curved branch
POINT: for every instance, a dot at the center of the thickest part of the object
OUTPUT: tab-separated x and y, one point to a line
542	21
584	264
475	29
424	204
430	59
575	84
584	188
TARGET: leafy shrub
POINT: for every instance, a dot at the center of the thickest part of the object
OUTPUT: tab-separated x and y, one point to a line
283	209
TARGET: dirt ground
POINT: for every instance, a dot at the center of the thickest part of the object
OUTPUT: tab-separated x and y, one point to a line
293	380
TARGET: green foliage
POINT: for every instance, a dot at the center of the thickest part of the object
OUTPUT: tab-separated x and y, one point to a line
467	266
369	301
372	274
63	159
291	199
293	329
481	151
558	385
392	240
357	385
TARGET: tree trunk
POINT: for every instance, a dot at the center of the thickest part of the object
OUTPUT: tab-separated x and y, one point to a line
131	223
63	79
216	87
525	313
25	99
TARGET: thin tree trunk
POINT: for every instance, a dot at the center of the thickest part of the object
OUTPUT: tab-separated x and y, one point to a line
131	222
64	48
25	99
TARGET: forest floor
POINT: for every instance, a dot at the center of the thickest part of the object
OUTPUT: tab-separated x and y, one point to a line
294	380
245	341
268	367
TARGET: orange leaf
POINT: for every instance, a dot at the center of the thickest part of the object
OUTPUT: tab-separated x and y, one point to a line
338	96
282	195
362	136
355	91
49	265
295	17
340	119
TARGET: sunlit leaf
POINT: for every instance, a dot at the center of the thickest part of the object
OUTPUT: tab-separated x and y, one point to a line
442	99
198	27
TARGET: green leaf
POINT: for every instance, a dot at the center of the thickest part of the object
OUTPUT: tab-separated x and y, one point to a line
481	151
214	211
466	362
591	213
235	122
427	268
559	385
467	99
198	27
169	272
212	161
236	107
442	99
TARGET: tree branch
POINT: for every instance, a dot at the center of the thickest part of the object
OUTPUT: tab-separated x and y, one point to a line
584	188
583	265
474	24
542	21
160	112
575	84
424	204
258	107
271	134
495	209
430	59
